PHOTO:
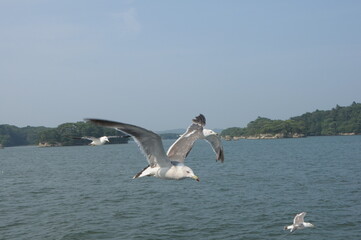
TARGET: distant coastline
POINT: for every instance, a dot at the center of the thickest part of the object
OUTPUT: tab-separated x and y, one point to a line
275	136
263	136
343	121
63	135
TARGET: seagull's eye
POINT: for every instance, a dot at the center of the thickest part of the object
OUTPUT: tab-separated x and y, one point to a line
188	171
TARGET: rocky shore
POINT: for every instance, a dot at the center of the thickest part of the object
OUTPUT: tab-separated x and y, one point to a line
47	144
264	136
275	136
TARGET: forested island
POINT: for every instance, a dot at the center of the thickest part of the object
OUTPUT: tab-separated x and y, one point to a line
338	121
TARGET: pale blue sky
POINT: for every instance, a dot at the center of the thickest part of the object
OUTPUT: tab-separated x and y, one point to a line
157	64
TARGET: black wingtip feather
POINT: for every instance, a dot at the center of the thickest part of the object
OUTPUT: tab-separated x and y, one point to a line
221	156
140	173
200	119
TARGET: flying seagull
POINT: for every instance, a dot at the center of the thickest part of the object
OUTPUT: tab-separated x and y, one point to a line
170	165
97	141
298	223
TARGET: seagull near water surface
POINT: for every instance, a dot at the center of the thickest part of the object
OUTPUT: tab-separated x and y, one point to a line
168	165
298	223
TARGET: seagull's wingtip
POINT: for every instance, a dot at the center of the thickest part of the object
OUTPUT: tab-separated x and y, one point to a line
200	119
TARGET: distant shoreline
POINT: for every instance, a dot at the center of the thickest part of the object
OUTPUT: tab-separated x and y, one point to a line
279	136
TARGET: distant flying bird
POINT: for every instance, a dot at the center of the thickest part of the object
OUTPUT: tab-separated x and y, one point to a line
97	141
298	223
171	165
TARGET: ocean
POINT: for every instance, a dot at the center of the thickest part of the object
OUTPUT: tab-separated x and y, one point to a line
83	192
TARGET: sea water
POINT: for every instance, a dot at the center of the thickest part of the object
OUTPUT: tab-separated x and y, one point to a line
88	192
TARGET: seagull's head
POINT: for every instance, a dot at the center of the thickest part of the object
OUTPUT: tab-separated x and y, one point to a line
307	224
188	172
104	139
208	132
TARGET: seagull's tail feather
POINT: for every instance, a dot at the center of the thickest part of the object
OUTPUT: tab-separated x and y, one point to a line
144	172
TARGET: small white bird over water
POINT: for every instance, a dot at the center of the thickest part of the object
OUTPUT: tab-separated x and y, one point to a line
168	165
97	141
298	223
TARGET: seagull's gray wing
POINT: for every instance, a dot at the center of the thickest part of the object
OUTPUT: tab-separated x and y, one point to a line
149	142
217	146
299	218
113	136
183	145
90	138
87	138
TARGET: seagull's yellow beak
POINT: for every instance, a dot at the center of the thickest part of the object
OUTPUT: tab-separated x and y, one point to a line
196	178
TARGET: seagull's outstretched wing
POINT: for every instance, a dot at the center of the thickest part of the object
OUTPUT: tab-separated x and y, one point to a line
183	145
217	146
113	136
149	142
299	218
87	138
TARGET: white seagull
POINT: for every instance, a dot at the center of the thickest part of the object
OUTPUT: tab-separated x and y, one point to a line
97	141
167	165
298	223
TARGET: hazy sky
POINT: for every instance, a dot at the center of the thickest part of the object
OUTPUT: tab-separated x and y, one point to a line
157	64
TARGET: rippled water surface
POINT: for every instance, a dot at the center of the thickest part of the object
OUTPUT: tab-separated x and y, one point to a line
88	192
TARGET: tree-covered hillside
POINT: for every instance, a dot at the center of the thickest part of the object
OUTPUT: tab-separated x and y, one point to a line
60	136
339	120
14	136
